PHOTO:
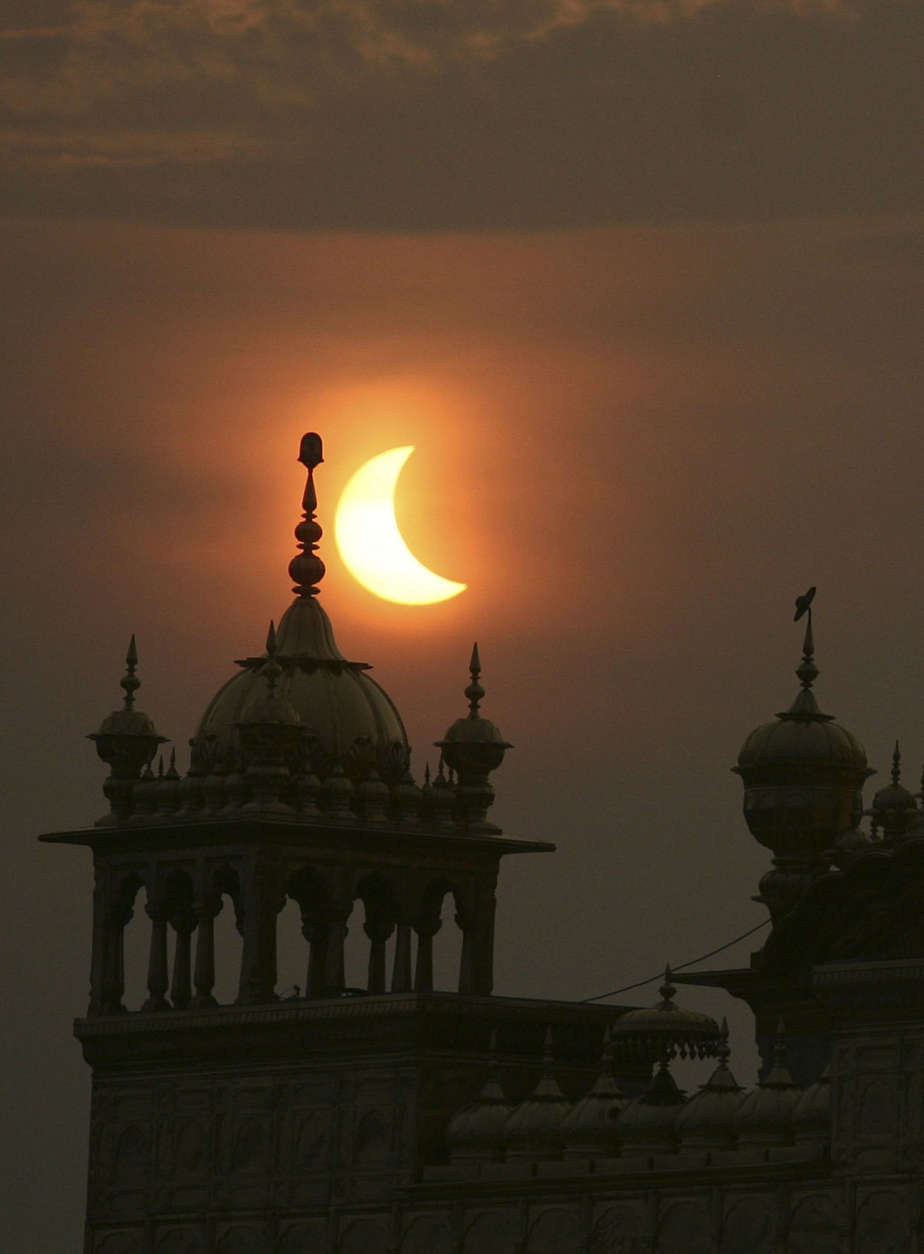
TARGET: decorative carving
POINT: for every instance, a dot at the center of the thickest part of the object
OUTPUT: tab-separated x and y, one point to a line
749	1227
429	1234
304	1238
119	1243
816	1227
180	1241
882	1224
685	1228
243	1240
618	1231
363	1236
554	1231
371	1142
493	1232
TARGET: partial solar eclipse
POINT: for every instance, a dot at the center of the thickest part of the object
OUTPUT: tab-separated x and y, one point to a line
372	547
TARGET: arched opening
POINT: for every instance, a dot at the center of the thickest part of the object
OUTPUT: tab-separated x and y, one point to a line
303	934
129	941
219	942
439	940
177	908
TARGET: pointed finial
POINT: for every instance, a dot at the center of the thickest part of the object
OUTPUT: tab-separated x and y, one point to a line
160	766
172	772
426	775
667	989
474	691
271	669
779	1044
807	670
896	764
130	683
548	1055
306	568
724	1049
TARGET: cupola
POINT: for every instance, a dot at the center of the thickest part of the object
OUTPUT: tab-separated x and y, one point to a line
765	1115
351	720
472	748
534	1128
893	810
663	1030
588	1129
648	1124
476	1133
802	775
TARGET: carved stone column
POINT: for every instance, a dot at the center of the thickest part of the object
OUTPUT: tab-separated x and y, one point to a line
315	933
157	959
425	929
263	899
205	912
118	914
401	971
181	987
378	930
334	977
476	968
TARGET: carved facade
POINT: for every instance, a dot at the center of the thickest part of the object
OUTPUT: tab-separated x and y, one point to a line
396	1119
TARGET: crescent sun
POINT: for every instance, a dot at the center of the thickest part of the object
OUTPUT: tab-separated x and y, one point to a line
372	547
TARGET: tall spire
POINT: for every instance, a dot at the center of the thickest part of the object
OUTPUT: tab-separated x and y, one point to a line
130	682
306	568
805	705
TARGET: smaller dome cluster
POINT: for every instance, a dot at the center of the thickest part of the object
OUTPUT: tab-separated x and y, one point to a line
604	1123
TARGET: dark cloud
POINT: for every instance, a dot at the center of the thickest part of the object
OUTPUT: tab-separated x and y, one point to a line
376	116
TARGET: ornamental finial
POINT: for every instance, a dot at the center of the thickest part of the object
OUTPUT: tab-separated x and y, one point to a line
130	683
306	568
807	670
474	691
896	764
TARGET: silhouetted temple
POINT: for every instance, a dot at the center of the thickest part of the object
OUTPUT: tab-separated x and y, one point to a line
395	1119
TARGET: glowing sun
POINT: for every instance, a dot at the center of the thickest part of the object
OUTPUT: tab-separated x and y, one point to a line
372	547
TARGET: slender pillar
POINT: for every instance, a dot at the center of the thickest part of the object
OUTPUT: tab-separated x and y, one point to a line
205	953
476	968
334	977
315	933
117	916
100	940
401	972
181	988
423	969
378	932
157	960
258	960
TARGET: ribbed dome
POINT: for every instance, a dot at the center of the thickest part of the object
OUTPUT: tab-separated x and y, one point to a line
534	1128
346	712
893	809
707	1121
765	1115
647	1124
588	1129
812	1114
476	1133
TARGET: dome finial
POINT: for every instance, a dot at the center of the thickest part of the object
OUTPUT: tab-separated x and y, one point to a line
130	683
474	691
306	568
896	764
807	670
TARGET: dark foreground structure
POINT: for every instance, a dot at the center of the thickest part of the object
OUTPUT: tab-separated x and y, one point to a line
400	1120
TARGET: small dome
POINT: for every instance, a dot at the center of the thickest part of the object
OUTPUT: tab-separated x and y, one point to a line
476	1133
812	1113
647	1124
589	1130
893	809
534	1128
707	1120
664	1030
802	775
765	1114
473	746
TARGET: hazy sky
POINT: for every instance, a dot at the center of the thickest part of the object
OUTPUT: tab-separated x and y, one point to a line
641	280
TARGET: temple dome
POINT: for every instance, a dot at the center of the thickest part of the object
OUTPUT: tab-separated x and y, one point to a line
348	719
345	711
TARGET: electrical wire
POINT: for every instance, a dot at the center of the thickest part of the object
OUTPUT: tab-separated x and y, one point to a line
679	967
